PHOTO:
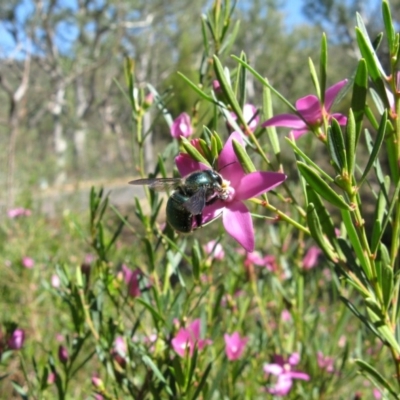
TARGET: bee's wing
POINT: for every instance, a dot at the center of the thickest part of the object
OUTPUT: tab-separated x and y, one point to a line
159	184
196	203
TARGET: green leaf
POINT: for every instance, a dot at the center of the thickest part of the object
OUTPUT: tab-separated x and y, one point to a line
324	217
218	142
355	242
206	150
196	260
266	83
377	318
193	152
177	371
314	77
393	203
195	87
155	314
323	65
387	283
243	157
358	100
268	113
230	39
375	375
202	381
226	87
389	28
351	140
317	234
240	86
374	67
321	187
336	146
308	160
367	47
380	211
373	158
149	362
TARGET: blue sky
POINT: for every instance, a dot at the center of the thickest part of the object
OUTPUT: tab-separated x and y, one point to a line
292	8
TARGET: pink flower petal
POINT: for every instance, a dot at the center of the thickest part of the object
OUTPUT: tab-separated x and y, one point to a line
286	120
299	132
228	163
294	359
181	126
340	118
274	369
238	223
256	183
282	386
299	375
187	165
309	108
332	92
194	329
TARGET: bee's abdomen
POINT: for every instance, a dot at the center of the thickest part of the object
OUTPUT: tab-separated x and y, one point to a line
177	215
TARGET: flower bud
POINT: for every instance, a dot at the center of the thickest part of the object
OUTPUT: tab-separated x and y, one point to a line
63	354
181	126
16	340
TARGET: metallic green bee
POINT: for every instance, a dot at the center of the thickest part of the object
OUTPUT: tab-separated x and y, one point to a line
190	196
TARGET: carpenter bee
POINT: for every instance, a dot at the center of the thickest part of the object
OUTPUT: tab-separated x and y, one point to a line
191	194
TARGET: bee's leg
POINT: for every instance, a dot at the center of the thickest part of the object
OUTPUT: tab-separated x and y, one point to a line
199	220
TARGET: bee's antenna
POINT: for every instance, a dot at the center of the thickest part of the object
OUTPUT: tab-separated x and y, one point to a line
227	165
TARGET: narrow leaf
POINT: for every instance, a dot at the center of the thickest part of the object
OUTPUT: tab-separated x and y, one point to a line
375	375
226	87
243	157
355	242
314	77
336	146
351	140
203	95
375	149
321	187
268	113
358	100
317	234
323	65
389	28
193	152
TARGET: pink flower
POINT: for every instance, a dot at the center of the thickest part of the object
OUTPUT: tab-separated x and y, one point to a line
28	262
55	281
120	346
255	258
236	217
234	345
214	250
181	126
283	370
325	362
310	259
63	355
217	87
377	393
19	212
132	280
189	338
250	115
311	112
286	316
16	340
120	351
51	378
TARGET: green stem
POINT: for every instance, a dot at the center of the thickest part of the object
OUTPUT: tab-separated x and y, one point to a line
280	214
